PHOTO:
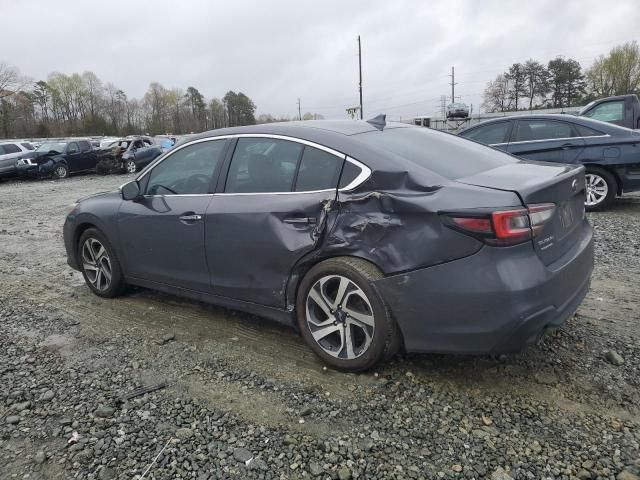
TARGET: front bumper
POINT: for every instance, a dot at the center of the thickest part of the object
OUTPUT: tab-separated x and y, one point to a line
498	300
68	231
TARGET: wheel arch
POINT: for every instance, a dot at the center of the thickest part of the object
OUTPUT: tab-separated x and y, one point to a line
307	263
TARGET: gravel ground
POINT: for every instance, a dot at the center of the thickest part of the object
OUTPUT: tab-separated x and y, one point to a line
240	397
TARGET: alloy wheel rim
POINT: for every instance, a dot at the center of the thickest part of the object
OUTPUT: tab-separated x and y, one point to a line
340	317
131	167
96	264
597	189
61	172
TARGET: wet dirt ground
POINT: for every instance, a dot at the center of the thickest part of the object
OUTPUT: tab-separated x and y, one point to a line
245	398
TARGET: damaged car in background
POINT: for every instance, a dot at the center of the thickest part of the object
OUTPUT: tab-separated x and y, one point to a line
59	159
367	237
128	155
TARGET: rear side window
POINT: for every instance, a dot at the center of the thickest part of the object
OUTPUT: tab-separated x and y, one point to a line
188	171
263	165
442	153
349	173
318	170
528	130
11	148
608	112
28	146
587	132
489	134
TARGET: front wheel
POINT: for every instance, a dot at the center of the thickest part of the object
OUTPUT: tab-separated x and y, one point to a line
130	166
60	171
99	264
343	318
601	189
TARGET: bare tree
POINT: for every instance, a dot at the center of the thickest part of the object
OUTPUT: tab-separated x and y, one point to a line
10	80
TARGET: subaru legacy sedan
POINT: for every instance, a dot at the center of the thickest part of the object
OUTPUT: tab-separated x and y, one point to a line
367	237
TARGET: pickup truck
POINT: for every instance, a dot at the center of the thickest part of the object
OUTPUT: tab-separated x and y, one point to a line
623	110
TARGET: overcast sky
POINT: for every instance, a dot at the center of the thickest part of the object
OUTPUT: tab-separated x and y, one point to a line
277	51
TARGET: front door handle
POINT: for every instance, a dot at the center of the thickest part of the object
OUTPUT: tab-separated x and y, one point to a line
301	220
190	218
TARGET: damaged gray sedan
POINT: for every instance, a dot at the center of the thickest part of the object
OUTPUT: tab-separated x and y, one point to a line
367	237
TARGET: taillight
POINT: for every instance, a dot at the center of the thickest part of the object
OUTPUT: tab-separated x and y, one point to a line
503	227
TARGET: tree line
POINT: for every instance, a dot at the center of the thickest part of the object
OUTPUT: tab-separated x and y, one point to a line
563	83
82	104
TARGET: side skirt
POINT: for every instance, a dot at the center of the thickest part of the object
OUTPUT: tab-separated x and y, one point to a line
281	316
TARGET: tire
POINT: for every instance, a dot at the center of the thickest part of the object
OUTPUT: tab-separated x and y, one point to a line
60	171
130	166
361	319
601	189
101	271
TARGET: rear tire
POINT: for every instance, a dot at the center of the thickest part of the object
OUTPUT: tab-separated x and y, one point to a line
601	188
99	264
343	318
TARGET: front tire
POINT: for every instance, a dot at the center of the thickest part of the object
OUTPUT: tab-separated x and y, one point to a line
99	264
343	318
130	166
60	171
601	189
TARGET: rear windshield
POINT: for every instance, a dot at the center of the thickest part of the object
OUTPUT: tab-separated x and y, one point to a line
447	155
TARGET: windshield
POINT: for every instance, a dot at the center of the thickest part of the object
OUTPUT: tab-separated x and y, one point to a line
447	155
52	147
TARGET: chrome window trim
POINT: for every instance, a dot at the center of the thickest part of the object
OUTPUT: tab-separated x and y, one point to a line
365	172
548	140
166	155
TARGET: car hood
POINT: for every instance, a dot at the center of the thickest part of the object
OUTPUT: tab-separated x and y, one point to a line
94	195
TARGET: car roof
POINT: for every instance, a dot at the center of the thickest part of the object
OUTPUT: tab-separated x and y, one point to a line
605	127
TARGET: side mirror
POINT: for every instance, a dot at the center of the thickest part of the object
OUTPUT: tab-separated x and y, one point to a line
131	191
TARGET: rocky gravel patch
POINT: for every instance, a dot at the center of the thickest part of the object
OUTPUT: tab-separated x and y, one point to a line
232	397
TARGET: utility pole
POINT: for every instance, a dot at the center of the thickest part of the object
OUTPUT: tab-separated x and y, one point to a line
443	106
360	70
299	111
453	85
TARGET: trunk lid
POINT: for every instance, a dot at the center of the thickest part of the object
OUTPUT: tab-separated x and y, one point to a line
562	185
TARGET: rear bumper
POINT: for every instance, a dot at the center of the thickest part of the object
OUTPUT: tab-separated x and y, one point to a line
496	301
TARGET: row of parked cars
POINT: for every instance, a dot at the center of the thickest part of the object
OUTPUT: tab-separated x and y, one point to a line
64	157
604	137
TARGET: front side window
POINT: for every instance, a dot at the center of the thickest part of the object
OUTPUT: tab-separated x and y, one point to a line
73	148
489	134
263	165
85	146
27	145
188	171
319	170
528	130
608	112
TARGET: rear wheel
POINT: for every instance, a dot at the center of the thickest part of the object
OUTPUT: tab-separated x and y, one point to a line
99	264
60	171
343	318
601	188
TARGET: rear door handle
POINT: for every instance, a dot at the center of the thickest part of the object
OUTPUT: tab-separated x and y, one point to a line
301	220
191	218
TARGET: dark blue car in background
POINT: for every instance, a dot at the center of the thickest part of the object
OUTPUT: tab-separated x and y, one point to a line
610	153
